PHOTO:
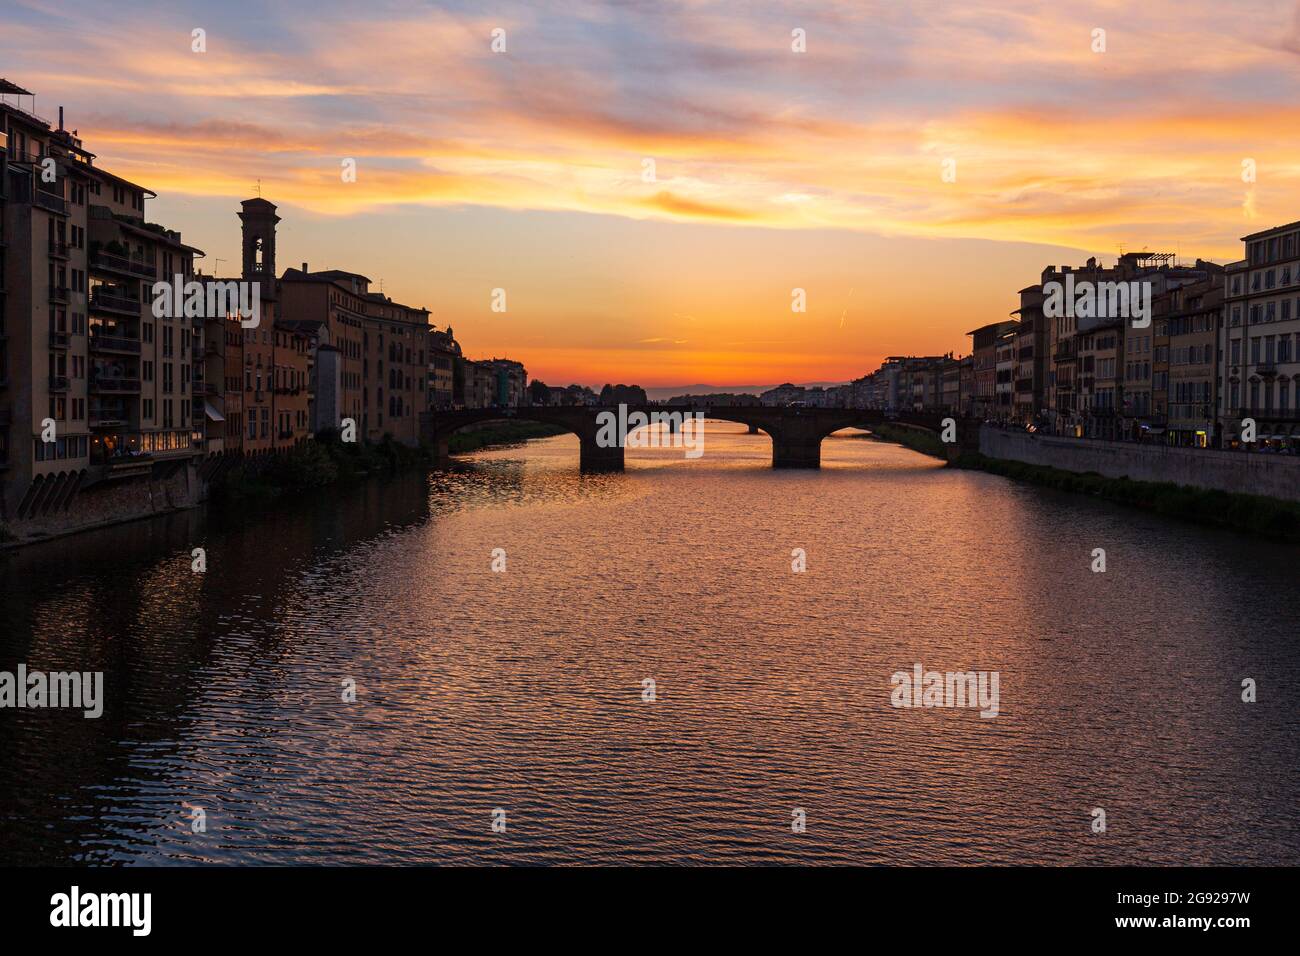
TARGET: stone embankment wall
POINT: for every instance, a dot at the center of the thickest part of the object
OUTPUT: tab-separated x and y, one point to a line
1249	473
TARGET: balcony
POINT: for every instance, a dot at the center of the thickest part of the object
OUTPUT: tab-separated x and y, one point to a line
285	433
59	340
120	454
55	204
114	302
115	263
119	386
114	343
108	416
1266	369
58	383
6	417
59	250
1270	415
58	295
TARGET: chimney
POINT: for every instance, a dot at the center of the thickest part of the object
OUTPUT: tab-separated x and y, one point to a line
60	119
304	267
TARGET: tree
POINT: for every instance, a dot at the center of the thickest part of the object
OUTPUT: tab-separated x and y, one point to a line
539	392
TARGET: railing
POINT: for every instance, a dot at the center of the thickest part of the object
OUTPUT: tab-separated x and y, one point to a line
103	416
107	300
58	249
59	340
1269	414
59	294
286	433
52	203
1267	369
58	383
114	343
115	384
134	266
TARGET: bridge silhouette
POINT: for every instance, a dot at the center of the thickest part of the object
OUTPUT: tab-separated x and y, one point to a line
796	433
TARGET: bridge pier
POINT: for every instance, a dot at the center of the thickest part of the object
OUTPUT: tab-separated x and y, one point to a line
753	429
800	453
593	458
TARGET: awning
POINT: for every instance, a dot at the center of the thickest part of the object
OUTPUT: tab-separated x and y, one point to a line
212	412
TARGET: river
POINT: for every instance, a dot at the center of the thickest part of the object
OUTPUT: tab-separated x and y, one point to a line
517	696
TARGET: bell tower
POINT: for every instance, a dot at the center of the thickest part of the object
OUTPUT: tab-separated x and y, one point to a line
259	219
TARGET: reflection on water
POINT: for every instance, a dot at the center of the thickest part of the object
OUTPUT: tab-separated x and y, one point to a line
522	690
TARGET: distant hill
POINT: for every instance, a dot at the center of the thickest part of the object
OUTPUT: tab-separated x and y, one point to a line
659	394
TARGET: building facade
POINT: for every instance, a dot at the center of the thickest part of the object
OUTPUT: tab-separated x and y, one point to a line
94	386
1260	339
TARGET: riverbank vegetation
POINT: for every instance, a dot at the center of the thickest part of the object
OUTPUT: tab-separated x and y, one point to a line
328	460
917	439
499	433
316	464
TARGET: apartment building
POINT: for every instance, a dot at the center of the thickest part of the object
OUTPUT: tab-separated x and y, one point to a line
84	361
368	361
444	352
950	387
335	304
1192	328
928	383
1085	395
782	395
1259	341
394	369
985	343
1004	370
1100	376
1029	380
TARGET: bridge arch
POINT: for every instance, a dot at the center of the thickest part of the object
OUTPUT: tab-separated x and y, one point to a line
438	427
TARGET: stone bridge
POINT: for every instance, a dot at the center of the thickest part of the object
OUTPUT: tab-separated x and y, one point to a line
796	433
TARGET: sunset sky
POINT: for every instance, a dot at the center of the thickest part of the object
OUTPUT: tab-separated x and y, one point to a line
774	169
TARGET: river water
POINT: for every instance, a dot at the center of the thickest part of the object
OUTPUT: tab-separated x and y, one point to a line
518	695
